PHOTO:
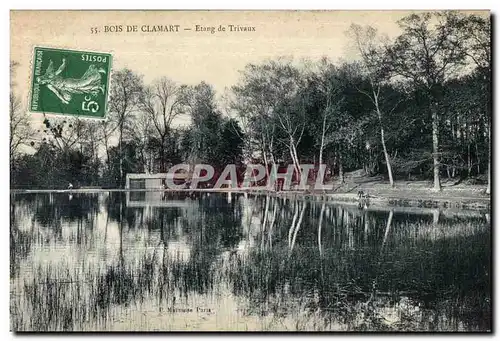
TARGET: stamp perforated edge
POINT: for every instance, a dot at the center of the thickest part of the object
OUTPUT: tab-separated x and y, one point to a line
56	114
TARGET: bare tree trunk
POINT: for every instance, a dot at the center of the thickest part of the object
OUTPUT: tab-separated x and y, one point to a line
321	152
275	210
341	170
122	259
297	160
264	219
266	164
365	216
387	229
162	155
292	227
478	159
297	227
435	217
435	150
382	138
106	146
387	159
264	222
322	145
469	161
273	168
144	160
293	153
273	162
120	156
293	158
319	228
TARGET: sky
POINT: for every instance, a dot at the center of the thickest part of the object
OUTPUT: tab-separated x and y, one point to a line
190	56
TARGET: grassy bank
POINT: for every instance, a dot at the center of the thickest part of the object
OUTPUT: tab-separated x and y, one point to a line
404	194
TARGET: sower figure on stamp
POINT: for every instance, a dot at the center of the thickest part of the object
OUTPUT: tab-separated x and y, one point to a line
89	83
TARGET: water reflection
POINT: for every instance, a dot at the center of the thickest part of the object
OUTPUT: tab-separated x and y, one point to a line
163	261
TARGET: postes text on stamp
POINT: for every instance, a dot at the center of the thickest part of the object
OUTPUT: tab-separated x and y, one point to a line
70	82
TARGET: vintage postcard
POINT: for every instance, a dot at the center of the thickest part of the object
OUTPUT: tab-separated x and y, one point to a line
250	171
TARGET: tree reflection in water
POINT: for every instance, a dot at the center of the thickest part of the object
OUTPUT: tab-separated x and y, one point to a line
97	262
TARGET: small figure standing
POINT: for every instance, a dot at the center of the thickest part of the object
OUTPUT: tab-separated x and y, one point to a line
363	199
70	186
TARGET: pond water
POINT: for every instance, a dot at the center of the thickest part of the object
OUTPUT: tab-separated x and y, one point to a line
161	261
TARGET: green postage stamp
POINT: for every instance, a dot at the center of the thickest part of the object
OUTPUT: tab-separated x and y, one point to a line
70	82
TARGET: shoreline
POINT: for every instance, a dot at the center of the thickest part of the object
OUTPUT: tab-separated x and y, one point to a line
374	198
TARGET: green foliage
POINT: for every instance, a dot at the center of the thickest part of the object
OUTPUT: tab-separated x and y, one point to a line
232	142
130	164
212	139
52	168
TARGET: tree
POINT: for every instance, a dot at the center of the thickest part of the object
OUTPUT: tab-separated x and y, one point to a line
285	86
106	129
207	123
373	62
347	115
124	160
427	54
20	129
142	135
326	89
232	138
253	106
73	142
125	91
162	102
337	115
268	96
66	133
475	32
